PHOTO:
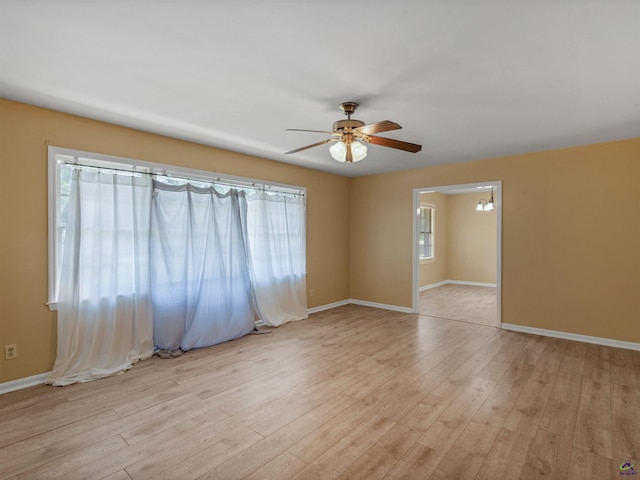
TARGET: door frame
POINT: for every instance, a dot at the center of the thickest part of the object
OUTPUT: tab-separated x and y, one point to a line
497	195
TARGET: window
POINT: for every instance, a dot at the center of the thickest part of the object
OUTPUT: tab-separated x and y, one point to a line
62	162
425	232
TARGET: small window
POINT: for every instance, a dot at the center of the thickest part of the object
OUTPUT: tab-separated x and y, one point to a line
425	232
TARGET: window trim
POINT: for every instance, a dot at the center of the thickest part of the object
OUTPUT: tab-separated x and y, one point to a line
432	257
123	163
53	219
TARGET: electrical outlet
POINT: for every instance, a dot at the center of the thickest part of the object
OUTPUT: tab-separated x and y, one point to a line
312	292
10	351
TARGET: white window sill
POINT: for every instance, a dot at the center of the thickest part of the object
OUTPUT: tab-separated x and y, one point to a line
427	260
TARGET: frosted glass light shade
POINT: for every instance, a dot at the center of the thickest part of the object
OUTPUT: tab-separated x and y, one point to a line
484	206
339	151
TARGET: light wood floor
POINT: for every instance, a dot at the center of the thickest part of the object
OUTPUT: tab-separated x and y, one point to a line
351	393
468	303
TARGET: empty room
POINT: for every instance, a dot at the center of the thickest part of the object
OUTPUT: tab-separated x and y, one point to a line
327	240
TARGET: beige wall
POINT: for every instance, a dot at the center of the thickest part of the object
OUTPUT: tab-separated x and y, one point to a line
570	236
24	133
472	240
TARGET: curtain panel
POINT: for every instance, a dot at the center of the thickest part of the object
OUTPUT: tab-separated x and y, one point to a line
200	286
277	239
105	321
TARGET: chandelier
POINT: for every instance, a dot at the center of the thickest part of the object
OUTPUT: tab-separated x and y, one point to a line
484	206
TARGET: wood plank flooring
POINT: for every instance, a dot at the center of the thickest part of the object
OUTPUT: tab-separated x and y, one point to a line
351	393
467	303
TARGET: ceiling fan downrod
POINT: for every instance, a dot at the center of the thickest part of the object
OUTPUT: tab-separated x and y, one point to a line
347	108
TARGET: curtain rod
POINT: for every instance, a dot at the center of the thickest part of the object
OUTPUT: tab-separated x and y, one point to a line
134	169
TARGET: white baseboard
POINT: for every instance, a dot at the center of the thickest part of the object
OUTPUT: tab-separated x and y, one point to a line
23	383
328	306
475	284
364	303
607	342
433	285
456	282
383	306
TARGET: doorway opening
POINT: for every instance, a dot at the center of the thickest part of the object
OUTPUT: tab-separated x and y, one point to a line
457	252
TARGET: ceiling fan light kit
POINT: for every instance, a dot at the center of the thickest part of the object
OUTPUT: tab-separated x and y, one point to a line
349	137
339	151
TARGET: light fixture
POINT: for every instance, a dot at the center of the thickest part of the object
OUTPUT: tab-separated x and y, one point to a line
339	151
484	206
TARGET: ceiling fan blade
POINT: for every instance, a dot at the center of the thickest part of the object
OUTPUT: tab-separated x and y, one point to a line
303	130
311	146
388	142
378	127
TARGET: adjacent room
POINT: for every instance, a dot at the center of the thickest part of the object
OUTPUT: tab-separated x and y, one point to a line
459	280
275	240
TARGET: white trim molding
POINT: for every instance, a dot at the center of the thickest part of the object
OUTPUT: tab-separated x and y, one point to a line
456	282
364	303
607	342
327	306
23	383
383	306
475	284
433	285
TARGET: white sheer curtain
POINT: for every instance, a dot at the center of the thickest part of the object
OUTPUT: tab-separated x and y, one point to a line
200	273
105	321
277	239
150	265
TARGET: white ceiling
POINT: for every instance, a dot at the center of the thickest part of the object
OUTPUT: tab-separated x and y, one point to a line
466	79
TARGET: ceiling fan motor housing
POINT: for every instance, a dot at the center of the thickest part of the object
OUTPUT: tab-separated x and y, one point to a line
342	124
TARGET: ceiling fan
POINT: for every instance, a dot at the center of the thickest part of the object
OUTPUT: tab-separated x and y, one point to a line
348	135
